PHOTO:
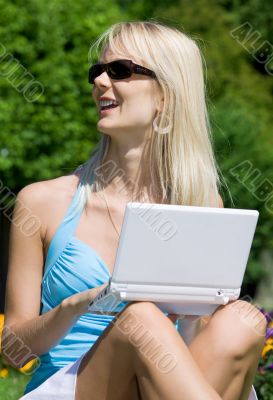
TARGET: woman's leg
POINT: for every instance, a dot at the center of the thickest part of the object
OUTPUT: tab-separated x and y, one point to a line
122	364
141	356
228	349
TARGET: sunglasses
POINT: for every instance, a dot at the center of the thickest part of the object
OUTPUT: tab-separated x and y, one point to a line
118	69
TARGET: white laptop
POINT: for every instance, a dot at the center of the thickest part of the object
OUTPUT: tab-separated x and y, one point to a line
186	259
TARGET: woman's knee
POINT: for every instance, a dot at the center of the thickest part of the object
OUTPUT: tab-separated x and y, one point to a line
237	329
138	320
147	331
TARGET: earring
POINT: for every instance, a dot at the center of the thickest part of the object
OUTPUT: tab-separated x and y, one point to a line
162	131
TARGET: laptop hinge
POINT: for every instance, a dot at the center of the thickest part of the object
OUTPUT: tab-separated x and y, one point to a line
220	295
116	287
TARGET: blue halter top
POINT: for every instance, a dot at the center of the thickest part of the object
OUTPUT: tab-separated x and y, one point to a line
71	267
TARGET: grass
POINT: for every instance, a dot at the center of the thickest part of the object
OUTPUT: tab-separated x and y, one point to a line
12	387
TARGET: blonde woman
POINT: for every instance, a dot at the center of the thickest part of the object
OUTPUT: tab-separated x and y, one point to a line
149	91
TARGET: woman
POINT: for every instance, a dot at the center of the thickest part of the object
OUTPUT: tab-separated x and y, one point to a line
155	147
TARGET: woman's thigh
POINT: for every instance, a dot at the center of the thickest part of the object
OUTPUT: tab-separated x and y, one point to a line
107	371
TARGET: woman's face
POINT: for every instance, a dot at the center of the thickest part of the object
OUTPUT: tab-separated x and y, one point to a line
137	100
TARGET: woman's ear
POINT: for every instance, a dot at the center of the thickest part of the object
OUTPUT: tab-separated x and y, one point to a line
159	98
160	102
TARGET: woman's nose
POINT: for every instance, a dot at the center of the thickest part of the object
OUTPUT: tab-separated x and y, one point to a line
102	80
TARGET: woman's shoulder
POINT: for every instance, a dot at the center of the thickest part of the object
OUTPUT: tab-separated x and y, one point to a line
48	199
44	191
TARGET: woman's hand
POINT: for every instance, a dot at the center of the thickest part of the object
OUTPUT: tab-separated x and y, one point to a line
78	303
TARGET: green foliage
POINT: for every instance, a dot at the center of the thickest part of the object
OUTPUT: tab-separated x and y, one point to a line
264	378
52	135
264	384
246	162
12	387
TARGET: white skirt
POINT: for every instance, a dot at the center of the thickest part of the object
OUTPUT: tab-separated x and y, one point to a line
62	385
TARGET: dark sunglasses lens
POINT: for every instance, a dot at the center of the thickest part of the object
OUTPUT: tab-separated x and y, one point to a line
119	70
95	71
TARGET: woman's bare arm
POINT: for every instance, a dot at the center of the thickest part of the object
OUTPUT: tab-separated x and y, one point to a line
27	334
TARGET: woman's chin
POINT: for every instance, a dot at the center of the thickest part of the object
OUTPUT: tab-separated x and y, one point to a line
104	126
106	129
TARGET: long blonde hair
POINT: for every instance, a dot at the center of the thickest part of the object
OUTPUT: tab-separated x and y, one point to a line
181	162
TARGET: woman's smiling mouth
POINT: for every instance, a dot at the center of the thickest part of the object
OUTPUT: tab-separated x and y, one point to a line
106	105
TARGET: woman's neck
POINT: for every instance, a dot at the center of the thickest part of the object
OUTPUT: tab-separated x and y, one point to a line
128	174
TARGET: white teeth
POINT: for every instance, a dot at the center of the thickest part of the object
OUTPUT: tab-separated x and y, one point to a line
104	103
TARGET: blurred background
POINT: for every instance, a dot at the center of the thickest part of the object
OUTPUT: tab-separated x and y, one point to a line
48	120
